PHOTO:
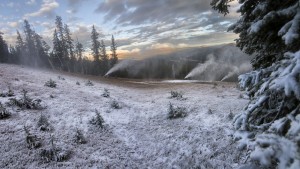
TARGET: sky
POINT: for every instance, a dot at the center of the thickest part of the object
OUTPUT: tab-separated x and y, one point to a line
142	28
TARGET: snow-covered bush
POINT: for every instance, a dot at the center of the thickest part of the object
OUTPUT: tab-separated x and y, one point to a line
9	93
176	112
105	93
50	83
97	120
89	83
77	83
270	30
115	104
54	153
79	137
176	95
25	102
4	113
43	123
32	140
61	78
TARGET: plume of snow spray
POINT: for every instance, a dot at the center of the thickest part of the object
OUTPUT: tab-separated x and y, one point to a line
122	65
225	65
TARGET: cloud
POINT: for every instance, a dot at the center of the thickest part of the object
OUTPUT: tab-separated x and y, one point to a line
47	9
31	2
13	24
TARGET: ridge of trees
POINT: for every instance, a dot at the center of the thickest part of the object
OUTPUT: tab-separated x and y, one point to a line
66	54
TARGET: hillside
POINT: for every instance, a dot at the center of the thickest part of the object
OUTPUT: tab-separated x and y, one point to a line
138	135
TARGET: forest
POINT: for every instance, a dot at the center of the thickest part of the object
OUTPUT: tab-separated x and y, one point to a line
67	54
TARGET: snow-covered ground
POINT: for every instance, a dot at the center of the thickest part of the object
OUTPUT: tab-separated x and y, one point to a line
139	135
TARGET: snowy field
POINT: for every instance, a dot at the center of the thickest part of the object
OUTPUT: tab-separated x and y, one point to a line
138	135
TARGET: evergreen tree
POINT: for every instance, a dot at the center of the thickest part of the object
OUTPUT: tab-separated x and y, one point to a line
57	52
31	55
42	50
113	49
95	50
70	48
78	51
269	124
104	58
63	53
4	54
20	49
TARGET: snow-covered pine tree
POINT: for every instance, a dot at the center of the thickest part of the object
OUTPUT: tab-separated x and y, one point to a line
270	123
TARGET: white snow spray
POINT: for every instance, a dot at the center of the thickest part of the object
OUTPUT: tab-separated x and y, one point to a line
225	65
123	64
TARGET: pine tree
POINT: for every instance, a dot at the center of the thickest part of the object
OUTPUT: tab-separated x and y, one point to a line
104	58
63	53
57	52
113	49
78	51
69	47
269	124
95	50
31	55
20	49
4	54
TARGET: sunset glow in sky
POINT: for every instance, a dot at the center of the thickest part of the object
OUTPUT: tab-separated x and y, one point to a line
141	27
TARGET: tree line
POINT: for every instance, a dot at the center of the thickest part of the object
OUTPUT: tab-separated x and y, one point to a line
66	54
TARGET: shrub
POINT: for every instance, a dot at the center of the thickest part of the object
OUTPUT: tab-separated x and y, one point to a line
25	102
176	95
4	113
230	116
114	104
105	93
32	140
79	137
51	83
9	93
176	112
61	78
43	123
77	83
97	120
89	83
54	153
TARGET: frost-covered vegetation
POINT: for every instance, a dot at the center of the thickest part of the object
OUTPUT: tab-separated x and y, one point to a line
25	102
4	113
176	112
51	83
139	135
269	126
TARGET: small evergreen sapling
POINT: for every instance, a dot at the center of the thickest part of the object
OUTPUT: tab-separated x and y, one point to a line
43	123
79	137
32	140
114	104
97	120
89	83
25	102
9	93
105	93
50	83
4	113
176	95
176	112
54	153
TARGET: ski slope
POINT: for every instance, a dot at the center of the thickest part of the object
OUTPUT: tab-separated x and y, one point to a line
139	135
